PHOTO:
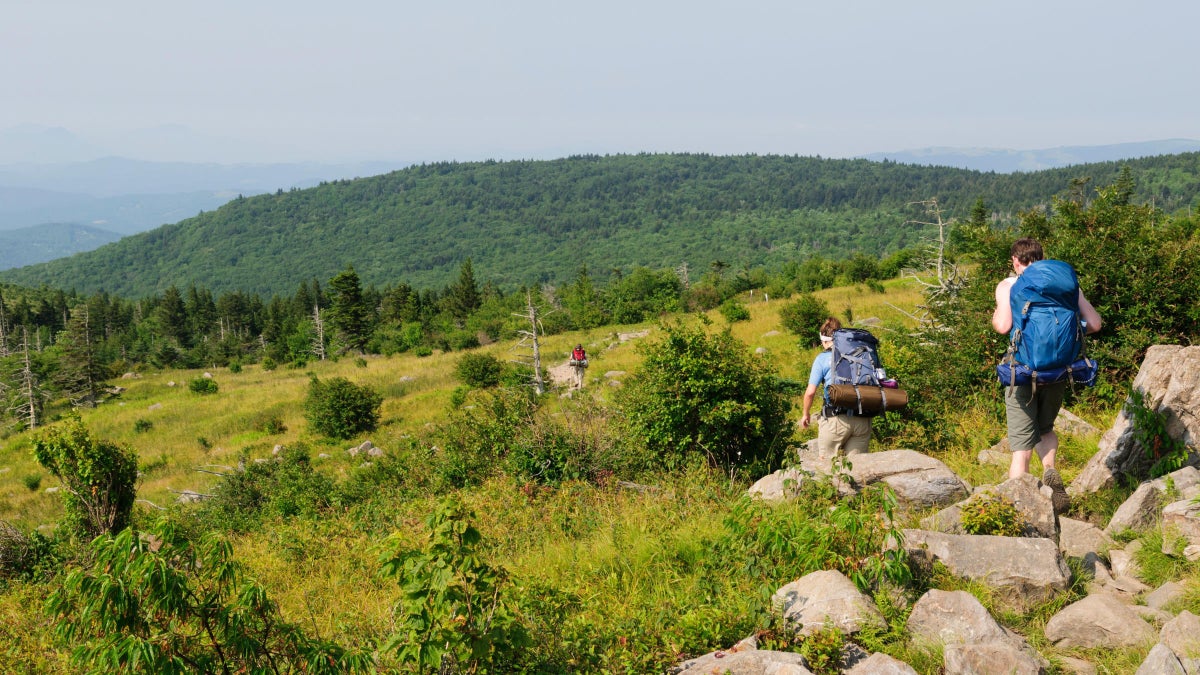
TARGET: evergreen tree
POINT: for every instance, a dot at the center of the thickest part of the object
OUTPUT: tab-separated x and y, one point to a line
80	372
462	297
348	313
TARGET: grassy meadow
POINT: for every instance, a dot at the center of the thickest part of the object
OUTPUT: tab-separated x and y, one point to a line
610	579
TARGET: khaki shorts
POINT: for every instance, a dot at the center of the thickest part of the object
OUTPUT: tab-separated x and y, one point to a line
843	435
1031	415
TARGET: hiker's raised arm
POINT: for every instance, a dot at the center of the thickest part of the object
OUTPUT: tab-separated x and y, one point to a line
1089	314
1002	316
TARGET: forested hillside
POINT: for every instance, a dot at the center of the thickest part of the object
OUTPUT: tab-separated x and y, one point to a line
536	221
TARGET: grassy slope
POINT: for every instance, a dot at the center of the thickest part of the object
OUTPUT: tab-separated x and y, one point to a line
617	552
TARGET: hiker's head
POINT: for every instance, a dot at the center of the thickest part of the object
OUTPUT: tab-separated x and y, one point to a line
831	324
579	346
1027	251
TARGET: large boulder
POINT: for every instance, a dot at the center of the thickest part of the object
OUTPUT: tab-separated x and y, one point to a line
990	657
973	641
1140	509
744	658
782	485
1077	538
881	664
1161	661
1098	621
824	597
1169	381
1025	570
916	478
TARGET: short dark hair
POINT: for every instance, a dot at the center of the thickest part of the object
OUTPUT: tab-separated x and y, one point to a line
1027	250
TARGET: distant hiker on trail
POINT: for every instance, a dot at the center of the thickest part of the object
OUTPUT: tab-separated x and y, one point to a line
579	363
1037	291
837	430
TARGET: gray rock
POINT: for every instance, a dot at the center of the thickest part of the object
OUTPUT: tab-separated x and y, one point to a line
826	596
991	657
1180	519
781	485
997	455
946	617
1169	379
744	658
881	664
1025	570
1182	635
1098	621
1164	595
1069	423
917	479
154	406
1161	661
1123	562
1140	510
1077	538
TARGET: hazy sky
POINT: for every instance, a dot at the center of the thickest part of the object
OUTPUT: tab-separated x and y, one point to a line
268	80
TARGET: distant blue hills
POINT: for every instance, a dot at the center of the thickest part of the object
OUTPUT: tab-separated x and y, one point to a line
1009	161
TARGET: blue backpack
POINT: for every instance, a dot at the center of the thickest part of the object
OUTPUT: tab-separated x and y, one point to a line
1046	340
856	362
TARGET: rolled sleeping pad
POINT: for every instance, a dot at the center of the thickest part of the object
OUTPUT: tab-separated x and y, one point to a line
866	397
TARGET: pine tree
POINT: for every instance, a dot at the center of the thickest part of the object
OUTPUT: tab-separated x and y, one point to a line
348	313
463	296
80	372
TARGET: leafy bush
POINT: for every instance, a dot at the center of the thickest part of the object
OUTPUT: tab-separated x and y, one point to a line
822	650
734	311
269	364
1163	453
479	370
142	425
159	603
284	488
272	425
476	438
339	408
235	366
990	513
696	393
25	556
202	385
455	615
99	476
803	317
32	481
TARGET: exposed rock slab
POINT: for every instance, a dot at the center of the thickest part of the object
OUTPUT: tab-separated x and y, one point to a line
881	664
916	478
1140	509
1098	621
1169	380
1077	538
826	596
1026	570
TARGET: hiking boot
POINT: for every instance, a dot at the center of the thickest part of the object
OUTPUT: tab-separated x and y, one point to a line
1058	498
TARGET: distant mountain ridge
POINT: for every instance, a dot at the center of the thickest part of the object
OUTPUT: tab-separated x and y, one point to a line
539	222
30	245
1009	161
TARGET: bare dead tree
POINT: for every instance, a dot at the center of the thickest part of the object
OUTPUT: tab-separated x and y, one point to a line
318	343
4	352
682	273
27	407
947	279
529	340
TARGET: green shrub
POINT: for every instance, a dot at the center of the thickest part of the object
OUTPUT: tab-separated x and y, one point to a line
454	614
822	650
100	477
142	425
271	425
235	366
32	481
701	394
268	364
733	311
479	370
285	488
202	385
25	556
360	362
160	603
476	438
803	317
423	350
338	408
990	513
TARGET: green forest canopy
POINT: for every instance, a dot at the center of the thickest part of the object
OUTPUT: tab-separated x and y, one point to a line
527	222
